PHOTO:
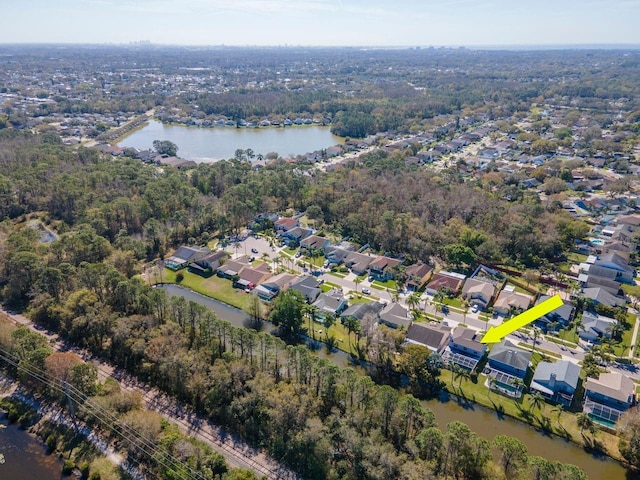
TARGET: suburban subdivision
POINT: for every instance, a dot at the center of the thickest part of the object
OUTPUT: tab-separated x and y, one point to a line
319	312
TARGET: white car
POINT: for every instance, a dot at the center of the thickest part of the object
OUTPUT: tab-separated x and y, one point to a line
366	291
474	309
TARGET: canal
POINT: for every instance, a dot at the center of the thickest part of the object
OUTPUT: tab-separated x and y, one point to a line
25	456
481	420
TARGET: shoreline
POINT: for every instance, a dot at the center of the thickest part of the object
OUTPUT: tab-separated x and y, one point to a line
448	390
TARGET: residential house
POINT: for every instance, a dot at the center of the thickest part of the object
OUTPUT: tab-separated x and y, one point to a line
184	256
296	235
508	366
359	311
595	327
331	302
280	282
382	268
608	396
417	276
395	315
632	221
433	336
249	277
613	261
465	348
600	295
285	224
358	262
488	153
561	315
556	381
206	266
445	280
314	243
478	292
231	268
309	287
336	255
509	300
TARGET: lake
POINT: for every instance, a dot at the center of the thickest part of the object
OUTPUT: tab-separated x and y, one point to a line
481	420
216	143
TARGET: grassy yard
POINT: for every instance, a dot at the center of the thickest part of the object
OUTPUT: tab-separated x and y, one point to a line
453	302
337	274
547	418
575	257
214	287
390	284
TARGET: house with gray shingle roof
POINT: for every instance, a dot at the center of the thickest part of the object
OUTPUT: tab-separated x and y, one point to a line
600	295
556	381
360	310
309	287
507	358
382	267
433	336
395	315
331	302
595	327
561	315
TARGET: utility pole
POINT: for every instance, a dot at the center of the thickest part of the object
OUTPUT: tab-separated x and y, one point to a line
70	404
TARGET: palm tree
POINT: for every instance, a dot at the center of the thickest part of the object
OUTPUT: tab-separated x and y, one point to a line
559	408
536	401
413	300
492	383
536	336
357	281
518	384
352	325
584	421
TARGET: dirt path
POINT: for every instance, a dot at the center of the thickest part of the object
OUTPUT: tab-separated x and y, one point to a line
235	451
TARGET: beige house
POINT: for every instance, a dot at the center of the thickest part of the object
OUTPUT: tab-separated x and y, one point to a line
478	292
508	300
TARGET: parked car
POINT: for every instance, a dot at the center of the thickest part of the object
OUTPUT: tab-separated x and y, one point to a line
474	309
254	250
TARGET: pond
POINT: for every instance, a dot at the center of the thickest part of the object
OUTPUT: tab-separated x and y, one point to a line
216	143
481	420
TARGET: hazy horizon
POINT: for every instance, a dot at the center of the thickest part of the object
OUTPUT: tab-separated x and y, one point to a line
324	23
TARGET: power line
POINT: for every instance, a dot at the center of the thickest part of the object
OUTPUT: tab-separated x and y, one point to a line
106	418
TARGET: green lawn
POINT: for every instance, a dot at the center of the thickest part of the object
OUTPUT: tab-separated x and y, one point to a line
337	274
390	284
290	252
559	341
453	302
626	337
575	257
546	417
214	287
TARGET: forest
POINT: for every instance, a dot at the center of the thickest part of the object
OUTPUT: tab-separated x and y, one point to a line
110	215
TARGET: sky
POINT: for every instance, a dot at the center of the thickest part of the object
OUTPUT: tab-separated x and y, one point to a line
323	22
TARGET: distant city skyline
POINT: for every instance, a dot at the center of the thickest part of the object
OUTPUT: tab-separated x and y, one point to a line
376	23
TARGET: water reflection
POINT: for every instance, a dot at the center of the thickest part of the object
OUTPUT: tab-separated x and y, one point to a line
448	408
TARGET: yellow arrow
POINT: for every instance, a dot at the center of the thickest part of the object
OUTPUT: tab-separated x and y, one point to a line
496	334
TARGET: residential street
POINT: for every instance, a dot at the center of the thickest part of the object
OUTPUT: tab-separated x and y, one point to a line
452	317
